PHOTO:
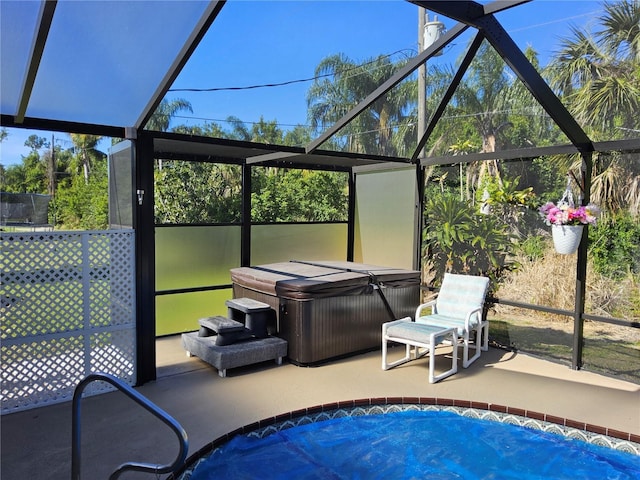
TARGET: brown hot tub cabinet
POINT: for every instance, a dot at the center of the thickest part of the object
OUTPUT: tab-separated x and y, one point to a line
326	309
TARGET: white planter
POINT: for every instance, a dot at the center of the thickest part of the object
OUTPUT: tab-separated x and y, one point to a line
566	238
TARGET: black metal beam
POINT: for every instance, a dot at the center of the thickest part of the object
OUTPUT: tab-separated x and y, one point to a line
245	229
581	268
462	11
467	12
444	101
629	145
502	155
389	84
145	260
420	176
182	58
31	123
500	5
44	25
351	218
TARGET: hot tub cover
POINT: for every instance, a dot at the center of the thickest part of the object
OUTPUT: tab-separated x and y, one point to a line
301	280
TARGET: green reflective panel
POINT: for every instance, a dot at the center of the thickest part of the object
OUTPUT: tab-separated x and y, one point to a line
121	185
543	335
180	312
385	223
188	257
613	350
281	243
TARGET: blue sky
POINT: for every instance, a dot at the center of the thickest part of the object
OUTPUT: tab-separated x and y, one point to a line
273	41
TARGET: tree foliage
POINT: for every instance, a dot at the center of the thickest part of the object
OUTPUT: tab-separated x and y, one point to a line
457	238
341	84
192	192
293	195
165	112
598	74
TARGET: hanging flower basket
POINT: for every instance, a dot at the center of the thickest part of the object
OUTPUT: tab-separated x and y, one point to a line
567	221
566	238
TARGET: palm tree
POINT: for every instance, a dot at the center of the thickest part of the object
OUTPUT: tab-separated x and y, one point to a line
239	130
341	84
85	149
598	75
481	100
161	119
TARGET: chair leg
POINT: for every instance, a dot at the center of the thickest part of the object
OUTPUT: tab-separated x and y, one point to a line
405	359
454	360
466	361
485	337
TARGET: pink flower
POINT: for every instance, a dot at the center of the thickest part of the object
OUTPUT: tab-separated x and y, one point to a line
568	215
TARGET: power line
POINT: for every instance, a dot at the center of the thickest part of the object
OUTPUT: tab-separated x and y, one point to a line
529	27
288	82
235	121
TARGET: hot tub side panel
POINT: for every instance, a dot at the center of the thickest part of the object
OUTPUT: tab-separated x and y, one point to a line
322	329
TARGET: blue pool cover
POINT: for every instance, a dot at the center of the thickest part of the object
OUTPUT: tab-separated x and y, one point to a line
414	445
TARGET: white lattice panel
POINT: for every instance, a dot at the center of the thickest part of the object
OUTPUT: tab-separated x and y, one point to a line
67	309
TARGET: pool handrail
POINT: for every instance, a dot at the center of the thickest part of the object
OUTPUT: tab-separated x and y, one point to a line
143	402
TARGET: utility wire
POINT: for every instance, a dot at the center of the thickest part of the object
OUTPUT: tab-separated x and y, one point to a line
288	82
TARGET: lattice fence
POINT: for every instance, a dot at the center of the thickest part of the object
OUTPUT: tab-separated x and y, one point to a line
67	309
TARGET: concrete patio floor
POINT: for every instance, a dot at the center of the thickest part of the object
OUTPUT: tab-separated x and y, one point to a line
36	444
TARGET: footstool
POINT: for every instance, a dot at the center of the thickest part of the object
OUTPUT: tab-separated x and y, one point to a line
237	354
419	335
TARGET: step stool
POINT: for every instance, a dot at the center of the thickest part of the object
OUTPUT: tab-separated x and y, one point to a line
237	340
253	314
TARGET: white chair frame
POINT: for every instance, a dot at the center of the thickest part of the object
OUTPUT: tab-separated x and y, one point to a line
481	330
437	336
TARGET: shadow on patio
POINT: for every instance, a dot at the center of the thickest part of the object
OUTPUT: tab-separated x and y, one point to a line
37	443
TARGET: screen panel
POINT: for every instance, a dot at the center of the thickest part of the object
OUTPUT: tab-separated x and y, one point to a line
281	243
195	256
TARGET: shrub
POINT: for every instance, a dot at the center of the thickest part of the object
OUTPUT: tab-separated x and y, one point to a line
459	240
614	246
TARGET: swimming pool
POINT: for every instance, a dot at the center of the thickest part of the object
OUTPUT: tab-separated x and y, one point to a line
414	440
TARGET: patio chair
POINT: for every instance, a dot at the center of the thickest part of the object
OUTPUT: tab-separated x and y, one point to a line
459	305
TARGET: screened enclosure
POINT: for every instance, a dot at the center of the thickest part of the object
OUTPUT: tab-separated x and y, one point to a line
497	230
436	157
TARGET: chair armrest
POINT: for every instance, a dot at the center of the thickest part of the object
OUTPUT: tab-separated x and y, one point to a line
467	320
430	303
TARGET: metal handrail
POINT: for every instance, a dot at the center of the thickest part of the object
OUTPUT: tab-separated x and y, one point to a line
147	405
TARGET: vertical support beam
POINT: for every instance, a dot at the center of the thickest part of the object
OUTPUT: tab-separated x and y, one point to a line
144	225
581	268
351	217
417	259
422	81
245	234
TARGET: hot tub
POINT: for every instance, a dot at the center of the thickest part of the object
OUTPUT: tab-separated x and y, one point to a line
329	309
